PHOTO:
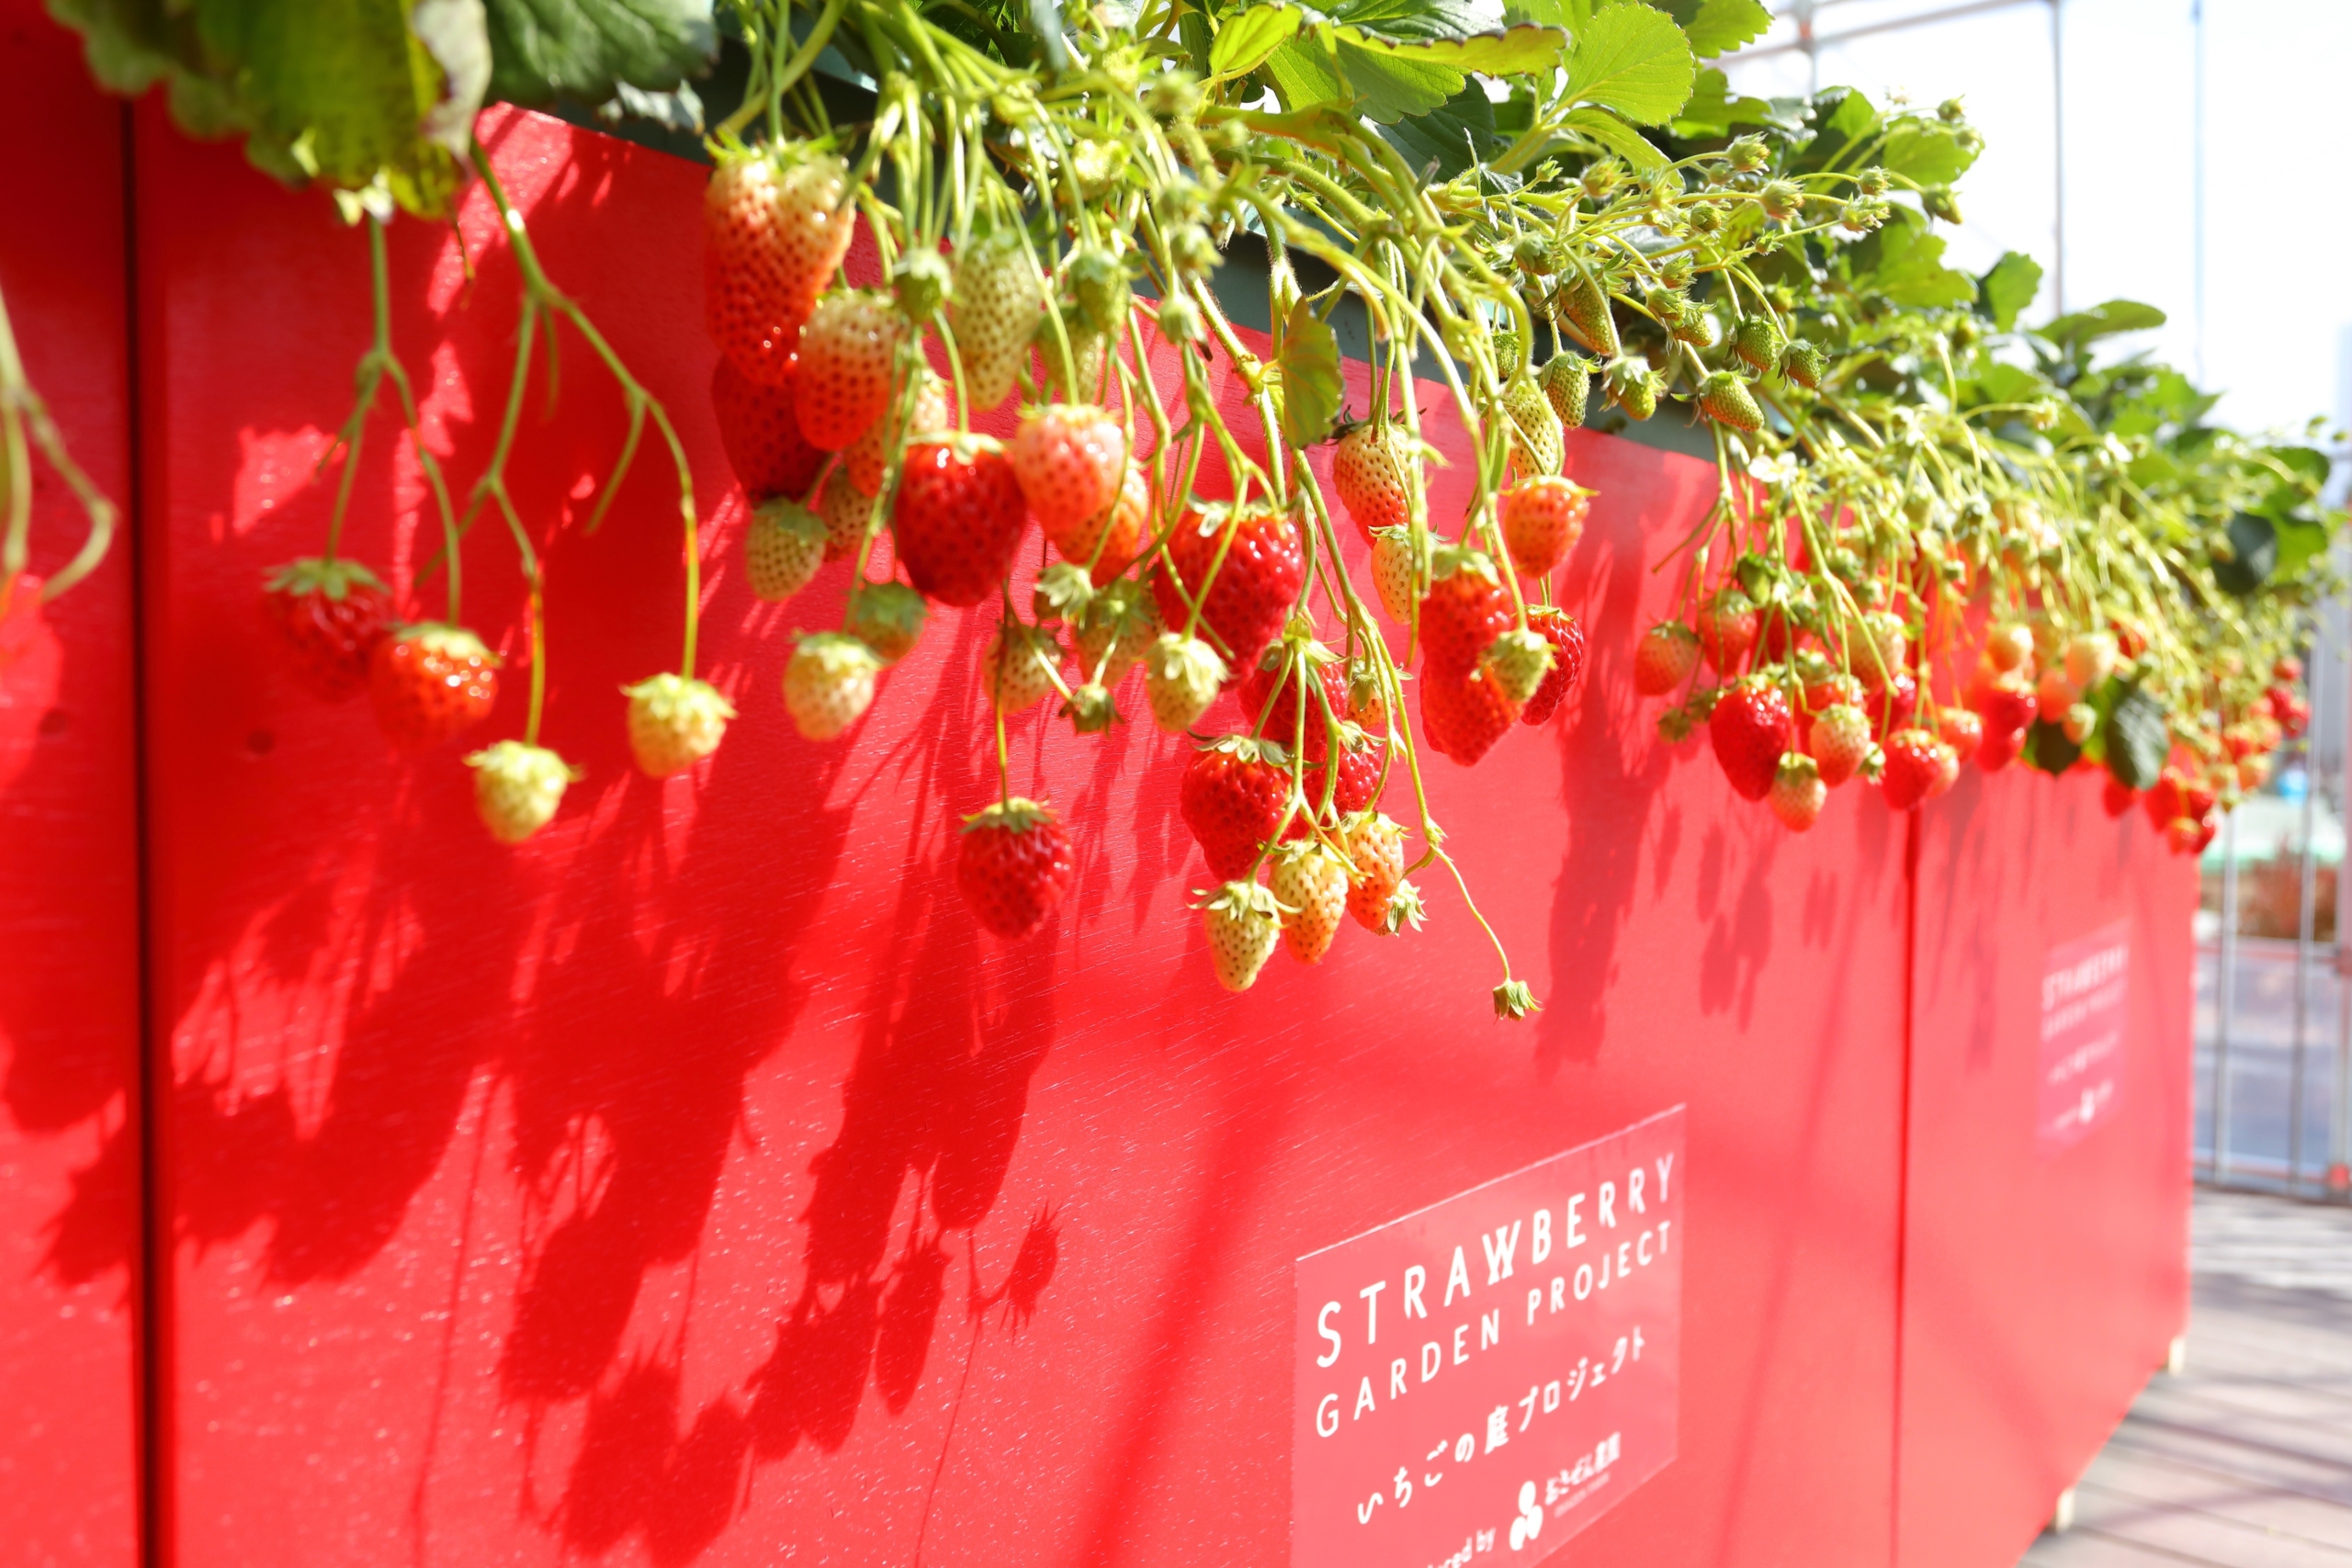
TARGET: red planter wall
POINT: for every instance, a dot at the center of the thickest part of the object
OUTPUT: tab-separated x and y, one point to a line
695	1183
2043	1279
68	889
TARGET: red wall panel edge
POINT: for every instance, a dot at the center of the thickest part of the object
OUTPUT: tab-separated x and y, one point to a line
69	1117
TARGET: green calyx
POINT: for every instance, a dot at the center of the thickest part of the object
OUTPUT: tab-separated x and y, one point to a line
1016	815
334	578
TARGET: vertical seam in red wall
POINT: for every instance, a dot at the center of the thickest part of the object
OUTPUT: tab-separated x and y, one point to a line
155	1226
1903	1169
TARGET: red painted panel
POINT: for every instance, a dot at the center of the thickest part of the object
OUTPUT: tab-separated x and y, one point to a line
695	1185
2044	1273
69	894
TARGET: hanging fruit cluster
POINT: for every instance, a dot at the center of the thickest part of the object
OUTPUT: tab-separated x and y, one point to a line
1936	539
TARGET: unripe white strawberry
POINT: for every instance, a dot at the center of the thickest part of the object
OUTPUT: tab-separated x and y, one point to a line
517	788
1181	676
829	683
1311	884
674	723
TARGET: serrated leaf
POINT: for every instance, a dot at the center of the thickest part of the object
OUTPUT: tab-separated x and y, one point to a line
1712	110
1846	116
2008	288
2101	321
1413	19
542	49
1520	51
1304	74
1245	38
1312	384
1618	137
1718	27
1388	88
1926	152
1905	262
1633	59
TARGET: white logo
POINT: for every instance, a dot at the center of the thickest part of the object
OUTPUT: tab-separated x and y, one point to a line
1530	1522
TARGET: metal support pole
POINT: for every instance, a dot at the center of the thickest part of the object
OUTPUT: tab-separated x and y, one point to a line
2058	136
2339	1140
2224	998
2306	917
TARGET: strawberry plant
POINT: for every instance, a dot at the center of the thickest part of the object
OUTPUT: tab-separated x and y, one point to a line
1936	537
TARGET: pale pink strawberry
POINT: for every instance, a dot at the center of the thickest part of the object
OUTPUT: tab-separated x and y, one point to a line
1069	459
1369	469
776	223
842	383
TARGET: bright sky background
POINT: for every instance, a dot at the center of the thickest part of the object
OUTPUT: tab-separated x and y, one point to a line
2277	327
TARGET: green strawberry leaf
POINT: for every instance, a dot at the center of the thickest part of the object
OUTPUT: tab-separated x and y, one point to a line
1905	262
2101	321
2300	539
1926	152
1718	27
2254	554
1388	88
2047	747
1618	137
1245	38
2008	288
2138	738
1304	74
1451	137
585	49
1633	59
1712	111
1312	383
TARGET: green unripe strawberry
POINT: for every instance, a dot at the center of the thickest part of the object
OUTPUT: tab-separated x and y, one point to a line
1728	401
1584	306
889	618
1634	385
1759	342
1803	363
1567	381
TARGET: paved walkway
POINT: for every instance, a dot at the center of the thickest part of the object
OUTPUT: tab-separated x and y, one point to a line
2244	1459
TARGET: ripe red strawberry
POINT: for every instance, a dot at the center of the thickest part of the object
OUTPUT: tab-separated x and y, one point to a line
1839	741
1014	865
1560	629
1310	882
1370	466
1465	712
1664	659
1251	596
1778	634
1798	792
1892	703
868	456
1465	611
1232	798
1542	520
1831	690
958	518
1070	459
1376	845
2007	705
2116	798
2164	799
761	432
1750	728
1356	787
1963	731
2187	835
996	310
430	681
829	683
1727	624
330	616
847	350
777	223
674	723
1243	923
1279	708
1914	762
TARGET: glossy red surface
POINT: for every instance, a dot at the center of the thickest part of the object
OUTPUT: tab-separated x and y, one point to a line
2042	1280
69	909
697	1184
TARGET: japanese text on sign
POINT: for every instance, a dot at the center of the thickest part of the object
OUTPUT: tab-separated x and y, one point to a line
1493	1372
2086	987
